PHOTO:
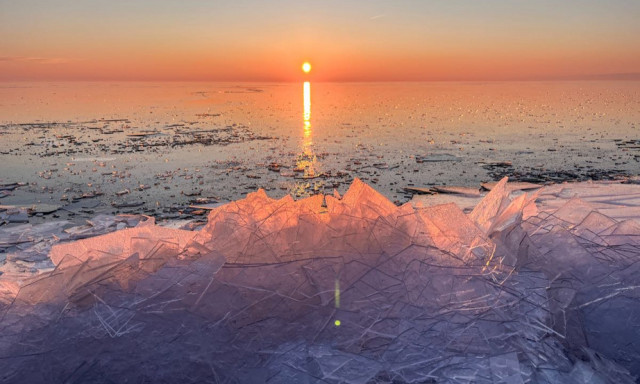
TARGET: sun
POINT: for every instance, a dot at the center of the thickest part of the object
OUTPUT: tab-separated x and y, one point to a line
306	67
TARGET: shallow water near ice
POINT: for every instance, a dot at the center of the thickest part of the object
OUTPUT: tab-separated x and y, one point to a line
157	147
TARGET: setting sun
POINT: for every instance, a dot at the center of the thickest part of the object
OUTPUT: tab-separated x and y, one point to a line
306	67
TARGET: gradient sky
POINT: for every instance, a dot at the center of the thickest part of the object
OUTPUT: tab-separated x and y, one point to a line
258	40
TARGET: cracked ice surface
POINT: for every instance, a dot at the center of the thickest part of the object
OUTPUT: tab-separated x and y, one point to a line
536	288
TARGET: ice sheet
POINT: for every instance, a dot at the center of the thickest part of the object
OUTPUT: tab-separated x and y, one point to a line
339	290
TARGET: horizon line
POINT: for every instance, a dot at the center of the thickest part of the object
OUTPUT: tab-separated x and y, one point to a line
632	76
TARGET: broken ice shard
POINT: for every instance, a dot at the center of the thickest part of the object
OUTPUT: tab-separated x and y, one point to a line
536	287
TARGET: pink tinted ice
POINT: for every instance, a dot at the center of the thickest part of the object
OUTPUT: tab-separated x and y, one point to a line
538	287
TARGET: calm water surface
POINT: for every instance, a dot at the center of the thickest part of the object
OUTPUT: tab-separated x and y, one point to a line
170	143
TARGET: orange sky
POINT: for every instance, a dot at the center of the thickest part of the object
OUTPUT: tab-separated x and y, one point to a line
370	40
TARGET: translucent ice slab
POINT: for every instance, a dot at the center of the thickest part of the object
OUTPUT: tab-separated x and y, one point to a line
332	289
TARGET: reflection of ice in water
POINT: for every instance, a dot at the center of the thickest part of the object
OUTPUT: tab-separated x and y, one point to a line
307	161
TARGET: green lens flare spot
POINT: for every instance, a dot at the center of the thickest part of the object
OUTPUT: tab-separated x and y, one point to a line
337	323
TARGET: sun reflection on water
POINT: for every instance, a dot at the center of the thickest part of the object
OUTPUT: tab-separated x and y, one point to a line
306	96
307	161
